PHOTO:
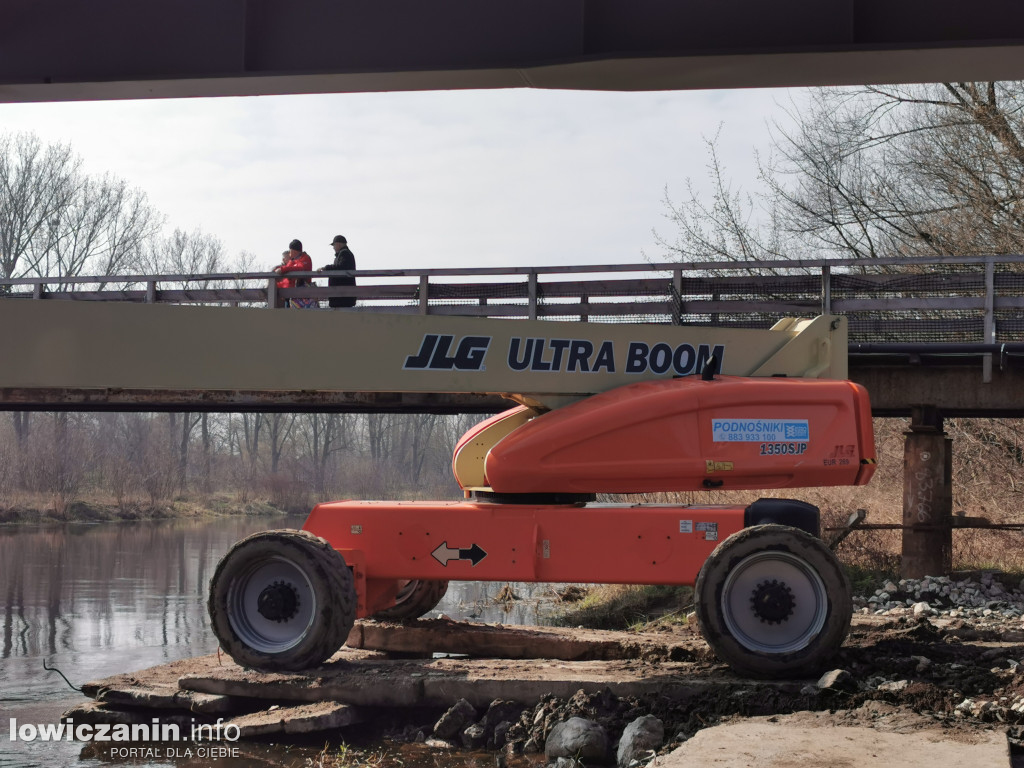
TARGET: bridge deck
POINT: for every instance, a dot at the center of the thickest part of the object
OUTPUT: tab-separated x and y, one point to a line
944	332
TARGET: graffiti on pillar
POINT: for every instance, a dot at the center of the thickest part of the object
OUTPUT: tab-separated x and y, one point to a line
924	486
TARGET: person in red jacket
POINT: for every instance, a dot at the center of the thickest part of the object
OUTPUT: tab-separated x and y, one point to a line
283	282
296	260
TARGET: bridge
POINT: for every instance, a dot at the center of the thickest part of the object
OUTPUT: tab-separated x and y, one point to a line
929	338
54	50
941	334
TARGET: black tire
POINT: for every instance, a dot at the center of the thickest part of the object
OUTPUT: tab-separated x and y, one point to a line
282	600
773	601
415	598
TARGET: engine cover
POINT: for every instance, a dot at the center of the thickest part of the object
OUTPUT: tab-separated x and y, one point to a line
692	434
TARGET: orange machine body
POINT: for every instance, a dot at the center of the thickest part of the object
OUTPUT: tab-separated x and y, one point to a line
690	434
481	541
666	435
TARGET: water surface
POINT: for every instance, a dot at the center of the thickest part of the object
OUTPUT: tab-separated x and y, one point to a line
99	599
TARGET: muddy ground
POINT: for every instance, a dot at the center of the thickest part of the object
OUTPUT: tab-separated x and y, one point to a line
951	680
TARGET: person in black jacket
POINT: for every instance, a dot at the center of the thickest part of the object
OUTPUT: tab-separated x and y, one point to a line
344	259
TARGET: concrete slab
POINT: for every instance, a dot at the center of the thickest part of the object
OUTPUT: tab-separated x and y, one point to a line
165	697
304	718
514	642
783	744
163	675
440	682
94	713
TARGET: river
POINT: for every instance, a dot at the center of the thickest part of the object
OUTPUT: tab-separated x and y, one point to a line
98	599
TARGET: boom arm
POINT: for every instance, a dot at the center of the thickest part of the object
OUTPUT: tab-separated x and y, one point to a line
542	364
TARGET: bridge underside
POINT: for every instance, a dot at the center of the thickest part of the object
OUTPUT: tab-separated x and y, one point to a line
58	50
896	390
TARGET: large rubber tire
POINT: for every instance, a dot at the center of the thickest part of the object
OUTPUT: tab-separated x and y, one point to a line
415	598
282	600
773	602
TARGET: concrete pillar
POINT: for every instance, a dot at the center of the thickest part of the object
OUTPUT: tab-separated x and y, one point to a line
927	497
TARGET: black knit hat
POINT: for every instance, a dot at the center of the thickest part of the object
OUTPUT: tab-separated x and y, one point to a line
295	245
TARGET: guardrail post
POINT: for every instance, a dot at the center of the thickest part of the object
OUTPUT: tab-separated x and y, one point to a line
37	290
531	290
584	308
272	293
151	291
826	289
424	294
990	318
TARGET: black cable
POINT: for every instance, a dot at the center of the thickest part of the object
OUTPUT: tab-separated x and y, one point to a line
54	669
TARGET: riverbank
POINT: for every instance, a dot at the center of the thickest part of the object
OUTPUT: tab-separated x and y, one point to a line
33	511
952	682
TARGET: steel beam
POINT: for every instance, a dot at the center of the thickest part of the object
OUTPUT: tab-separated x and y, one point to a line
55	50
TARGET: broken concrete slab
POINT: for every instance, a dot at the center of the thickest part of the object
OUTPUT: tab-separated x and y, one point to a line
439	682
303	718
514	642
163	675
94	713
165	697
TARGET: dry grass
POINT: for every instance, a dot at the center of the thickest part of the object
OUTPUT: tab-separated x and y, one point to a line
622	606
28	507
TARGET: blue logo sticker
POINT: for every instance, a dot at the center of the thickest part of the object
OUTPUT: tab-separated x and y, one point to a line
759	430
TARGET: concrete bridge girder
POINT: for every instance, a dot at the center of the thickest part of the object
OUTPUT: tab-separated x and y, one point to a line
116	49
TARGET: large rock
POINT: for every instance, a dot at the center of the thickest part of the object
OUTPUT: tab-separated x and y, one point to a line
837	680
579	739
640	738
455	720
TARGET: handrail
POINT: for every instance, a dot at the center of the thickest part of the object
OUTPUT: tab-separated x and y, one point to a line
970	299
702	266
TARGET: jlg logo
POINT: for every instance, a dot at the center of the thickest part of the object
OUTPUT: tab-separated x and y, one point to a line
434	353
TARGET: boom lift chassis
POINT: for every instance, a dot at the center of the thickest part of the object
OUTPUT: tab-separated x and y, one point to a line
602	409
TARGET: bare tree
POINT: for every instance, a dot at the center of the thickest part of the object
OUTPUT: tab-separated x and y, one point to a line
55	220
36	183
184	253
872	172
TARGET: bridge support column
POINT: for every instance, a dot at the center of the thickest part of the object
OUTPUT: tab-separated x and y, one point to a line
927	497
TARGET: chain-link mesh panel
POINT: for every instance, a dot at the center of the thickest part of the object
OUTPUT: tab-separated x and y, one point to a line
907	286
951	326
485	299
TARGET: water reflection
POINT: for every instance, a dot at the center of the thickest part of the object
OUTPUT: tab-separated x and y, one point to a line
96	600
100	599
487	601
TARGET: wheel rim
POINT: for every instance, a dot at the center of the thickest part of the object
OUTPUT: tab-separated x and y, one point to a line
774	602
271	605
406	590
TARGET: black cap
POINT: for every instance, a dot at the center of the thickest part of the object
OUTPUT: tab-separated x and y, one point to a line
339	239
295	245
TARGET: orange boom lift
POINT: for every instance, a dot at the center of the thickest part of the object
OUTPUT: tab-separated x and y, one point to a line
648	410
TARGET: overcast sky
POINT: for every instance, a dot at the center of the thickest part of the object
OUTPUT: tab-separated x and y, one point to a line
430	179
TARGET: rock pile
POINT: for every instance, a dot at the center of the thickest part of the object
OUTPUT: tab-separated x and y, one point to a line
581	730
982	597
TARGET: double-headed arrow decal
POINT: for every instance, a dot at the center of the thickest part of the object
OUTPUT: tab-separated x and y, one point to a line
443	554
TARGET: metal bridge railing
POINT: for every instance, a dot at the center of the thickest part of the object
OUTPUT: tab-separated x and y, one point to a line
977	299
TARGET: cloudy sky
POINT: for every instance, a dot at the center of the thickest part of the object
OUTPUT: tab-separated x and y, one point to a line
414	180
